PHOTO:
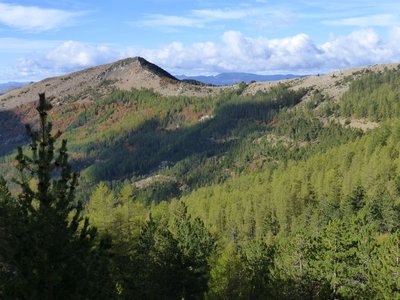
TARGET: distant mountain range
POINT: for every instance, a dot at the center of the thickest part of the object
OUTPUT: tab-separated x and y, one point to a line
8	86
232	78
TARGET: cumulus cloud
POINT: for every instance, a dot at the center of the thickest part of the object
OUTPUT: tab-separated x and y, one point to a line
73	54
32	18
359	48
66	57
297	54
235	52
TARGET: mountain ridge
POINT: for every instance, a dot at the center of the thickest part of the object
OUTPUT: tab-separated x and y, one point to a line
137	73
94	82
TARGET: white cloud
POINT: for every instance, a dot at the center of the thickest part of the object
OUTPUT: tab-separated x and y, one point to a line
297	54
234	53
66	57
394	34
32	18
196	18
158	20
367	21
360	48
201	17
73	54
224	14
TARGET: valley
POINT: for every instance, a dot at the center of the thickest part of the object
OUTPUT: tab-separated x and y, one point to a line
263	188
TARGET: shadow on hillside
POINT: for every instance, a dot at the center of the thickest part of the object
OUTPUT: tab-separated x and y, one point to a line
12	132
151	146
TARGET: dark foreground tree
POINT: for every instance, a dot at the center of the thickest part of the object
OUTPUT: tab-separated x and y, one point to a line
167	265
48	251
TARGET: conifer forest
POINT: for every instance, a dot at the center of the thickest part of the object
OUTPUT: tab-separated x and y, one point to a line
236	195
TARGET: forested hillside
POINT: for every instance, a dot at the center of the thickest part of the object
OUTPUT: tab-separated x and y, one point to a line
271	195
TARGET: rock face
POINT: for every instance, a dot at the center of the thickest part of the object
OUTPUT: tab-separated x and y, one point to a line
91	83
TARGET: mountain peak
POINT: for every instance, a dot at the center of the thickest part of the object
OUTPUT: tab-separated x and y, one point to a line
135	64
154	68
92	83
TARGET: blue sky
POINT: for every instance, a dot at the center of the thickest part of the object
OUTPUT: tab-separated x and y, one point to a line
45	38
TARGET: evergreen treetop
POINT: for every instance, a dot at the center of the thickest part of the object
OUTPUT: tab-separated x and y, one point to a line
50	251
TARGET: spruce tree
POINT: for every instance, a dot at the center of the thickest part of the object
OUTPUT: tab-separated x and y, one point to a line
50	250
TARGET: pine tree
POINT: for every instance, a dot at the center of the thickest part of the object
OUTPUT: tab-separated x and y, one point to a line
196	245
338	261
357	198
50	250
156	265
